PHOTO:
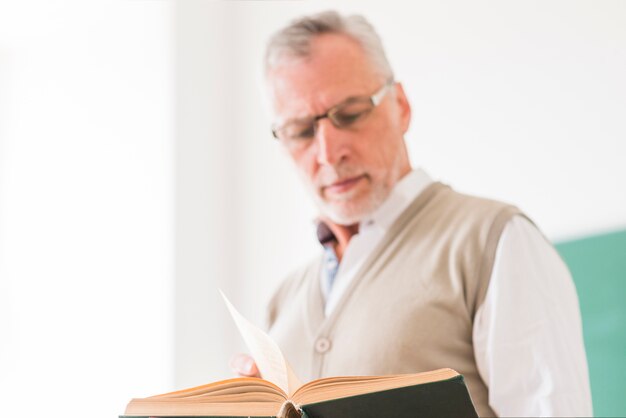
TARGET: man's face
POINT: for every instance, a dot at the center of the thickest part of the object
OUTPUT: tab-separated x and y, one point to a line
350	171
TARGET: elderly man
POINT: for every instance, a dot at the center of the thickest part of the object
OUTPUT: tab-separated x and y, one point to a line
414	276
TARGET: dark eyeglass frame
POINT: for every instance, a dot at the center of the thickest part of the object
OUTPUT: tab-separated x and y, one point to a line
331	113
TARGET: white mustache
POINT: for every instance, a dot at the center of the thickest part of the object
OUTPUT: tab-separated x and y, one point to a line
337	175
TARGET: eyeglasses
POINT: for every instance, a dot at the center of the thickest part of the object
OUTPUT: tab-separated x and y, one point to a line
298	133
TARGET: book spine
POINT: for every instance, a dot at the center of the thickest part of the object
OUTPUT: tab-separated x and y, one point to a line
290	410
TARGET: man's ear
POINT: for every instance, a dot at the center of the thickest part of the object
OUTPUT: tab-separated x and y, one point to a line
403	106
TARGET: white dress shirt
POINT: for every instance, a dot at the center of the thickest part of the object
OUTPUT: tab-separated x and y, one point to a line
527	334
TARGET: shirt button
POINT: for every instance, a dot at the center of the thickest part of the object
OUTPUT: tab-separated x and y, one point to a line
322	345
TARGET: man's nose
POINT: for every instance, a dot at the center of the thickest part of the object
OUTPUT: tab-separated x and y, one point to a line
331	143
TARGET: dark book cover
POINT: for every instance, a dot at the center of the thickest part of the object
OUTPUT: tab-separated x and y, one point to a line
443	399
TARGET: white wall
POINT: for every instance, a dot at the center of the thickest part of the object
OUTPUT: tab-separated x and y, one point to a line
207	200
86	206
521	101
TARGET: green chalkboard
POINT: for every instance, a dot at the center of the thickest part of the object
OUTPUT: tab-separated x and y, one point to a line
598	266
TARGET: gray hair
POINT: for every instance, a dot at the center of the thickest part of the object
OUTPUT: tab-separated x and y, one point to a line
294	41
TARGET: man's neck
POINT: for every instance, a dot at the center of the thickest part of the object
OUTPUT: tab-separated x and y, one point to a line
403	192
342	234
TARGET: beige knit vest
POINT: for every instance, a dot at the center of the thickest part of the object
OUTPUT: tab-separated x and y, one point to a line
411	306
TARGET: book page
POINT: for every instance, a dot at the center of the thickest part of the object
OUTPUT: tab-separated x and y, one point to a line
266	353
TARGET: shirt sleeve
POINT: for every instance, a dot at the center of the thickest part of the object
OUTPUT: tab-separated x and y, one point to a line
527	334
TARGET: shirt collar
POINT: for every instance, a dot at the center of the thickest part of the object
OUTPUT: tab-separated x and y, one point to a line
401	196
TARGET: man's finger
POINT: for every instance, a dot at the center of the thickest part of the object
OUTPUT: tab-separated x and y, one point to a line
244	365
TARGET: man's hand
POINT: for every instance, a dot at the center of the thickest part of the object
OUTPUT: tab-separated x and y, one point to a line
244	366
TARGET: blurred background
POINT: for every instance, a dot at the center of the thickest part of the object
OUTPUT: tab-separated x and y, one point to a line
138	174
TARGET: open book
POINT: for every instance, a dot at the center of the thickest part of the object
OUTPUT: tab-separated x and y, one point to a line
438	393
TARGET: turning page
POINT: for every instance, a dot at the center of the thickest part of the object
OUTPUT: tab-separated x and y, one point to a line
269	359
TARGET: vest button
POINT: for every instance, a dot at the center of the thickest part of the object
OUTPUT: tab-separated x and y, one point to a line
322	345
